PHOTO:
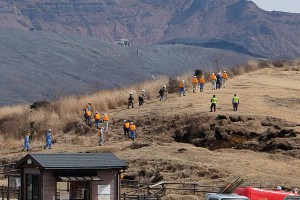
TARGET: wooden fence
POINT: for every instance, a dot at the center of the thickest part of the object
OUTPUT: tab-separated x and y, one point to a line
9	193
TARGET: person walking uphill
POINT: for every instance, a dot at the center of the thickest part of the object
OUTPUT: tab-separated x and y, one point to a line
126	129
213	103
195	83
224	78
132	131
101	136
26	142
105	121
97	119
219	81
162	92
48	140
141	98
182	88
130	100
213	80
235	102
202	82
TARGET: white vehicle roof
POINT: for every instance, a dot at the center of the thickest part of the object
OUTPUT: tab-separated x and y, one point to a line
225	196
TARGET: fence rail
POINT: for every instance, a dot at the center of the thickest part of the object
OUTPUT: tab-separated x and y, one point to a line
10	193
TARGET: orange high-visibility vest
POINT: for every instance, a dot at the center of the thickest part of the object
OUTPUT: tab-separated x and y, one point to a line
127	124
132	127
213	77
181	84
225	76
88	113
105	118
97	116
195	81
202	81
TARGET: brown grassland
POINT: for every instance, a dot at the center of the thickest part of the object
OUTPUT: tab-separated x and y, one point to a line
269	93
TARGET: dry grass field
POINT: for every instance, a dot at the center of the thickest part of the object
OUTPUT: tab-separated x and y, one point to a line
178	139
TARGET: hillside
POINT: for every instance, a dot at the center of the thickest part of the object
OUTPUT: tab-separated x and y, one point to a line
238	25
182	141
41	65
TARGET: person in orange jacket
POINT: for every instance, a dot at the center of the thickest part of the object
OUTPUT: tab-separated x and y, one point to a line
126	129
105	121
132	131
97	119
195	83
213	80
224	78
202	82
182	88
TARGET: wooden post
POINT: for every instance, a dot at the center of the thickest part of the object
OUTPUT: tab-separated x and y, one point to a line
194	188
124	196
148	190
164	189
7	193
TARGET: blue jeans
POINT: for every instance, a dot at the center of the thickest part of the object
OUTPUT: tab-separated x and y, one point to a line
132	135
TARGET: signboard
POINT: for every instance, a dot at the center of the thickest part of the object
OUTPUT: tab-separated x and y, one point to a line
64	195
104	189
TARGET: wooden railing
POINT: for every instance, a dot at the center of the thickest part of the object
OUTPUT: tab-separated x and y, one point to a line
9	193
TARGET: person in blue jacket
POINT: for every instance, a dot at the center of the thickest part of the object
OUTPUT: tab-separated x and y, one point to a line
26	143
48	140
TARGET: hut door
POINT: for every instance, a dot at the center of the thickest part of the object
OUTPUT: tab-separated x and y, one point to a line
33	187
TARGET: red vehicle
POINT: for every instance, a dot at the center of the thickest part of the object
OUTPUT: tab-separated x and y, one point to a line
262	194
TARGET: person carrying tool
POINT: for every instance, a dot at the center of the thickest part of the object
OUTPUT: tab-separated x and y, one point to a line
87	106
202	82
26	142
126	129
141	98
213	103
224	78
105	121
213	80
101	136
130	100
48	140
182	88
195	83
97	119
162	92
132	131
87	117
235	102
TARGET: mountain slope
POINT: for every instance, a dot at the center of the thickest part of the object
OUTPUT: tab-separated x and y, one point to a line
237	22
39	65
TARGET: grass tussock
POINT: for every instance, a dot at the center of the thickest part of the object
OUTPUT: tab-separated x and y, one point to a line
66	114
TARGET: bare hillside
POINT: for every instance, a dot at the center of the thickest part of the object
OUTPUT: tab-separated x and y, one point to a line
180	140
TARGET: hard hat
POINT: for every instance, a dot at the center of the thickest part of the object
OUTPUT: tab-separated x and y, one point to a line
194	76
90	103
96	112
105	114
212	73
103	128
165	86
131	122
224	71
143	90
28	133
125	120
182	80
278	187
49	130
130	93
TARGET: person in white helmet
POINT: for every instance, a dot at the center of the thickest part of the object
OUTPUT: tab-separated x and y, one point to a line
224	79
48	140
101	136
213	80
141	98
130	100
182	88
162	92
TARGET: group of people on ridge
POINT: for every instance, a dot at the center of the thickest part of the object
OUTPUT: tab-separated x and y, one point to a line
218	80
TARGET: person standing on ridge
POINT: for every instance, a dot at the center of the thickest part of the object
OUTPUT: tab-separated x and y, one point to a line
87	117
162	92
202	82
235	102
101	136
213	80
26	142
141	98
48	140
195	83
224	78
130	100
97	119
105	121
213	103
132	131
87	106
126	129
182	88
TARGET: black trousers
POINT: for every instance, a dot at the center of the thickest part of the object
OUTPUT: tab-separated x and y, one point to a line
213	106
